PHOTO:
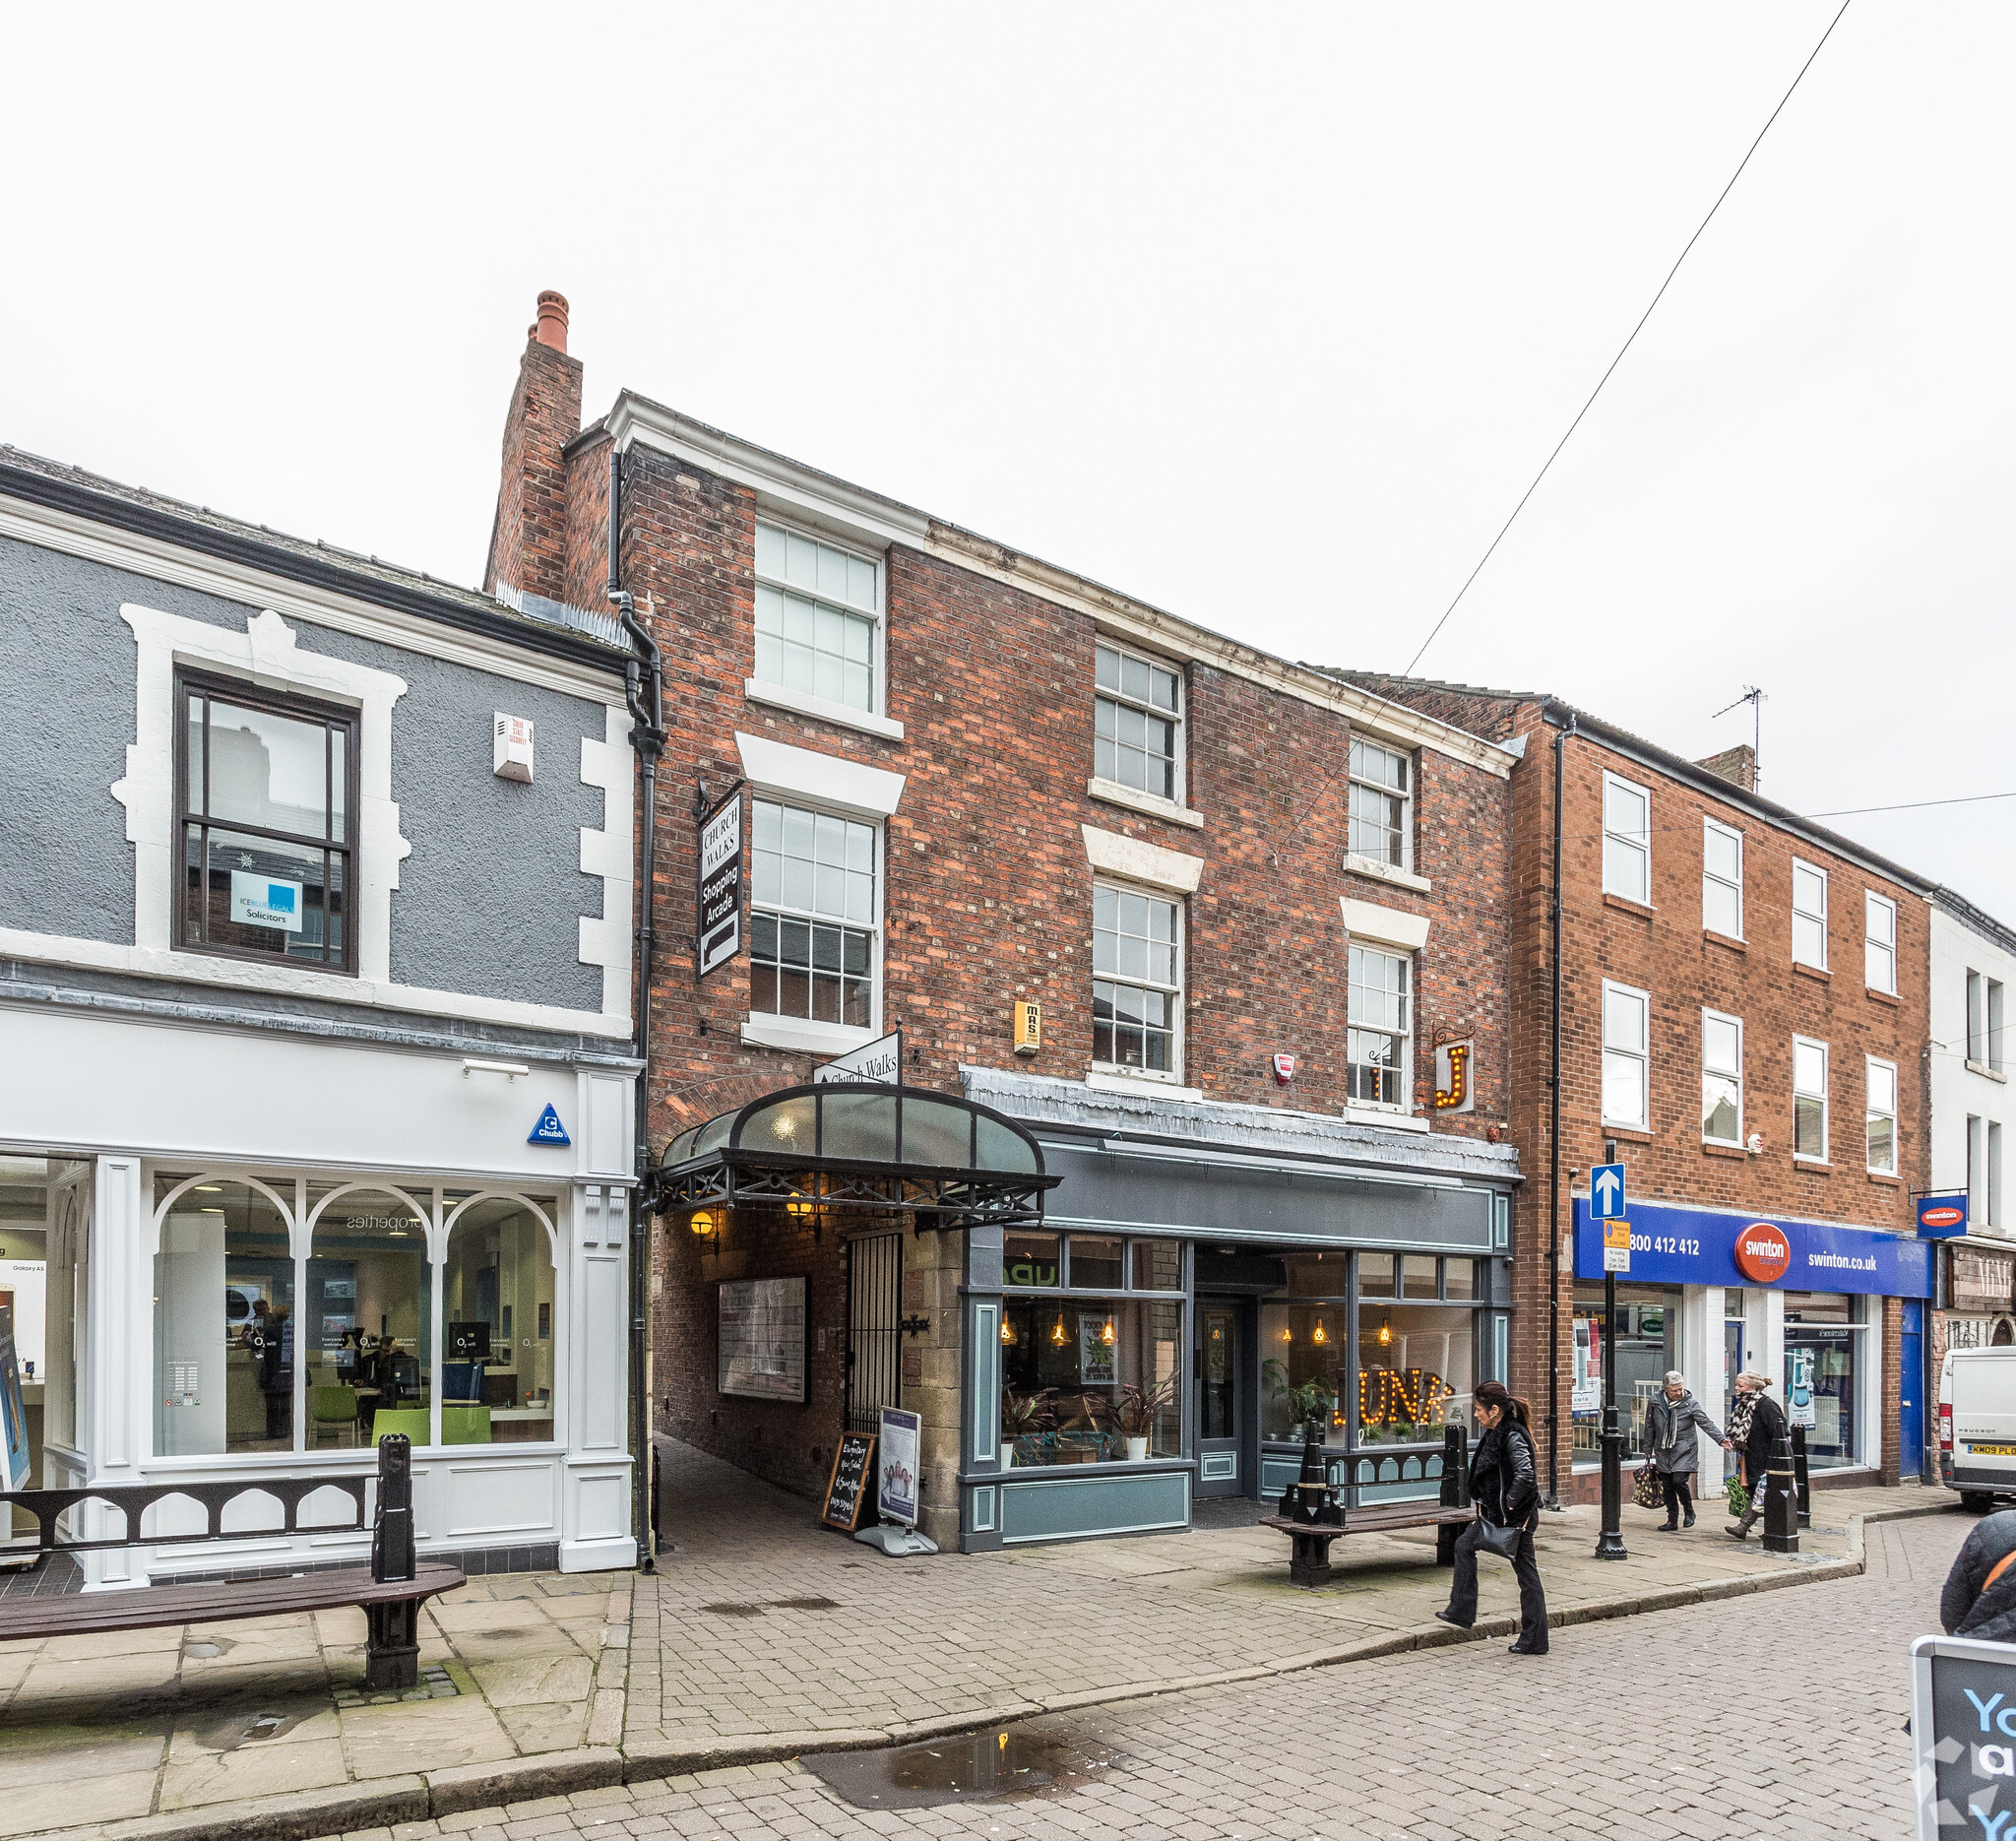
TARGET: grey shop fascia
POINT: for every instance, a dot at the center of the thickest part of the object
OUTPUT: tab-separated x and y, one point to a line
1204	1275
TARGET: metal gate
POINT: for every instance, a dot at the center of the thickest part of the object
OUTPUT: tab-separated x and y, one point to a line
874	1305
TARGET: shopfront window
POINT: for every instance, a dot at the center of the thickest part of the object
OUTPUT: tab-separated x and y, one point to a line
370	1317
1416	1366
1092	1372
497	1301
1823	1356
1648	1326
226	1336
1304	1352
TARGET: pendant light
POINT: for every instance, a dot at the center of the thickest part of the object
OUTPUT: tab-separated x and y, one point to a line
1385	1333
1057	1334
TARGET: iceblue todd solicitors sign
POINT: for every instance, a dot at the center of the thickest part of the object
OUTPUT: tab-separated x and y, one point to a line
1690	1246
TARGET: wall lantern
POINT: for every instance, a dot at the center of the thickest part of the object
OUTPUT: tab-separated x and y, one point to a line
705	1221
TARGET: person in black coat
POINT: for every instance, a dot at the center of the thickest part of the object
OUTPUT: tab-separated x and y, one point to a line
1504	1484
1980	1599
1767	1427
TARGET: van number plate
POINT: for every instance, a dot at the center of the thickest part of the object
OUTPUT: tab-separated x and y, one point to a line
1991	1450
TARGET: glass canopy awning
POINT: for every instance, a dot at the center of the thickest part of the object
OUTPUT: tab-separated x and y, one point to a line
851	1145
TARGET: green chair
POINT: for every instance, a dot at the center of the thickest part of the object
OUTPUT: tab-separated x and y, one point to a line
333	1407
465	1424
410	1420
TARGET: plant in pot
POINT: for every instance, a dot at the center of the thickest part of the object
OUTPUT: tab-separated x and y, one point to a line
1137	1408
1313	1399
1023	1416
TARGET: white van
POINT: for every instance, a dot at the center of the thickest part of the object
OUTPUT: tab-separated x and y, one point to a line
1978	1425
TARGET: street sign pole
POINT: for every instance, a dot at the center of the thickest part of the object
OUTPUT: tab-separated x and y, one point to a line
1610	1543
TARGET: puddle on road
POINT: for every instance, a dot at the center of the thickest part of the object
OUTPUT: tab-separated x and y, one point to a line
804	1603
208	1646
242	1729
734	1610
1045	1755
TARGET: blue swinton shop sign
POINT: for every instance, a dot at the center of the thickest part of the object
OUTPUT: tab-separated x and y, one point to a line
1697	1246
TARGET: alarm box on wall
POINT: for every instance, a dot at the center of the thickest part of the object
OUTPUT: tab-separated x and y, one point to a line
511	750
1028	1028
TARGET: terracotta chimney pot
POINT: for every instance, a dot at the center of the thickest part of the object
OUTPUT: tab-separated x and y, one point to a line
551	329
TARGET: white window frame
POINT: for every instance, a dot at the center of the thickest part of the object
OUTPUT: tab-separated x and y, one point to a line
1624	841
1826	1108
875	720
1720	1073
1708	877
1172	1076
1181	718
1641	1055
1984	1022
1872	905
1406	797
1800	914
1870	1113
767	1026
1992	1215
1404	1106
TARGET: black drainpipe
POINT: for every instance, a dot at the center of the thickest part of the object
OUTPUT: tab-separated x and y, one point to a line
648	738
1555	1148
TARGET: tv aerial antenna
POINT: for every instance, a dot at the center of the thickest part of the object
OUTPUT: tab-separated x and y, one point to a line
1755	699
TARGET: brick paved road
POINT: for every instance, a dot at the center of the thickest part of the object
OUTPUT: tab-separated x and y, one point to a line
1779	1714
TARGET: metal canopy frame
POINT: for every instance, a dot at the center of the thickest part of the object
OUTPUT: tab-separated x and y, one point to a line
939	1195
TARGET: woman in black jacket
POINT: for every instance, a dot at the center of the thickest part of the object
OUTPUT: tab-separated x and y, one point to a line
1504	1484
1767	1427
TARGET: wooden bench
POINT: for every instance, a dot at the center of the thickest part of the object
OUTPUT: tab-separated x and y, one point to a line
1309	1550
389	1591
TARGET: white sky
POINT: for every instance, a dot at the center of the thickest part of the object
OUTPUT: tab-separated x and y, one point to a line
1267	316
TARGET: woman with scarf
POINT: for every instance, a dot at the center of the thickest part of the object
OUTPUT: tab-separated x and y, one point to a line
1504	1484
1674	1421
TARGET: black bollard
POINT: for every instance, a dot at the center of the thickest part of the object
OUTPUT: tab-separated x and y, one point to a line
392	1642
1780	1502
1455	1490
1798	1470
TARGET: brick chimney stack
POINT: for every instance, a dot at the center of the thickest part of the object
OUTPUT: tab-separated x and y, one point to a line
1737	765
529	538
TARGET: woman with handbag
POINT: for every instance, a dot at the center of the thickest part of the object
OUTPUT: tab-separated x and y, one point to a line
1674	1421
1504	1484
1764	1424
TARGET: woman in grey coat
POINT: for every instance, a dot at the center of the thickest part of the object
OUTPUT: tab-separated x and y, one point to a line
1673	1421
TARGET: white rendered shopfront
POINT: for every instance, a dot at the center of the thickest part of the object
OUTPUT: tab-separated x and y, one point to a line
212	1193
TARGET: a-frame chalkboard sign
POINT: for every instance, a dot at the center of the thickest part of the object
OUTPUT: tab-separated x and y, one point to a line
846	1489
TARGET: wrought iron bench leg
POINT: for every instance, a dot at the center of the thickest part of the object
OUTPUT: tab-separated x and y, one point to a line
1308	1563
392	1647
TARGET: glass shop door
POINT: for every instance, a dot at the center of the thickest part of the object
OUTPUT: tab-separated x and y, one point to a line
1219	1414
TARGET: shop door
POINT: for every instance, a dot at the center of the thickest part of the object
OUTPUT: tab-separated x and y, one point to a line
1219	1400
874	1337
1911	1391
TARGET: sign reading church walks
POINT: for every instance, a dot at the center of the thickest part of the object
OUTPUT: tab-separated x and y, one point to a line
879	1061
847	1490
721	885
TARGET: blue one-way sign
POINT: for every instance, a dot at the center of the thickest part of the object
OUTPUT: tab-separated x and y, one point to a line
1607	1192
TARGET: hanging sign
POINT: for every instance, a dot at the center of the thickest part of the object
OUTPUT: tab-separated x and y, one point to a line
1452	1077
1942	1217
721	884
880	1060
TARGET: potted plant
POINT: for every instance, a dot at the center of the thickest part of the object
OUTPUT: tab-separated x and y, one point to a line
1313	1399
1137	1408
1023	1416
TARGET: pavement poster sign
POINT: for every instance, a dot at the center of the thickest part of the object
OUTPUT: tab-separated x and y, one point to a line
721	884
896	1474
854	1463
1963	1732
1798	1405
880	1060
1607	1192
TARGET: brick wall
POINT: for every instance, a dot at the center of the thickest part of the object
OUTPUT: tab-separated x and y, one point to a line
987	896
528	541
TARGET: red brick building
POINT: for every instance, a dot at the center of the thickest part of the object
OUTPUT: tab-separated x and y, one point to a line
1265	916
1743	1003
